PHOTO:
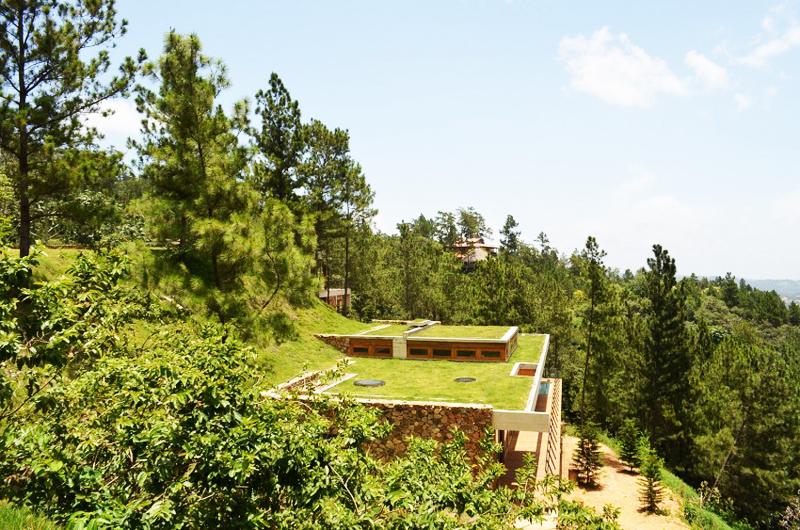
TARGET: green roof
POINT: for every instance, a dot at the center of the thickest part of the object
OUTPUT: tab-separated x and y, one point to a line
412	380
465	332
393	330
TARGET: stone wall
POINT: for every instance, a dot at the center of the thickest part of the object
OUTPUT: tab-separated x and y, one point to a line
429	420
337	341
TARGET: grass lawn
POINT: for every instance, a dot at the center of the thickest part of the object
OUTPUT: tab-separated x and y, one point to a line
414	380
287	360
393	330
14	518
471	332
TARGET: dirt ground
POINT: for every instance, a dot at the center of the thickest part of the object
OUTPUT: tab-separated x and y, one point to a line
619	487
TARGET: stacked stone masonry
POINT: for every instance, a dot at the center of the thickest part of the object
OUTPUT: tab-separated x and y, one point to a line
340	343
433	421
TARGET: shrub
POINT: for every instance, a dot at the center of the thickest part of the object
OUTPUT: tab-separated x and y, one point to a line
651	491
629	436
587	459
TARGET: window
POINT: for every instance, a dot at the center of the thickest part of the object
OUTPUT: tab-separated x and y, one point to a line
441	353
418	352
360	349
465	354
383	350
490	354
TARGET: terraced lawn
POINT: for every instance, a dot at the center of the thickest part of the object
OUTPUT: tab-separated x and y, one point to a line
412	380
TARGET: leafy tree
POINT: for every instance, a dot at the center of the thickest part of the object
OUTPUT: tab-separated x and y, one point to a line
630	437
510	235
65	323
587	458
54	65
445	229
187	438
281	142
651	491
471	224
742	430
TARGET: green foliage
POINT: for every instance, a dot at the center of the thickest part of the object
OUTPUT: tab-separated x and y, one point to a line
650	466
587	459
572	515
510	235
248	250
666	360
54	68
790	519
280	142
629	438
471	224
14	518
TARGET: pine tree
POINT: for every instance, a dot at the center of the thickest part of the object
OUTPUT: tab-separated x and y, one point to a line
666	363
629	437
794	314
281	142
510	235
587	458
651	491
54	69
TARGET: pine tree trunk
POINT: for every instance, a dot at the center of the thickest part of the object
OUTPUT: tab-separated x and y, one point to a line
588	355
24	163
345	308
24	223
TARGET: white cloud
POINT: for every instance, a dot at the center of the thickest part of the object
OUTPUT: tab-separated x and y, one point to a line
742	102
123	121
613	69
773	47
712	75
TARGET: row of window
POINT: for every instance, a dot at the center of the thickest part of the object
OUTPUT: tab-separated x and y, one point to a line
371	350
455	353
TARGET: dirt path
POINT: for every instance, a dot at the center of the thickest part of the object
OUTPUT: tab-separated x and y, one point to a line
620	488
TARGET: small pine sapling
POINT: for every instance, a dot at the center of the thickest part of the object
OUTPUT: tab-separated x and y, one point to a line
651	491
587	459
629	436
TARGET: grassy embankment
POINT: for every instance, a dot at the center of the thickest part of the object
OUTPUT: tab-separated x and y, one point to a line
177	285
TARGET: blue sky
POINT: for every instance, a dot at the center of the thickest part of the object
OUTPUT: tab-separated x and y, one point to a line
636	122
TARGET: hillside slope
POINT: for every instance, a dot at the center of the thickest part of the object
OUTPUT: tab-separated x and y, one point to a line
280	361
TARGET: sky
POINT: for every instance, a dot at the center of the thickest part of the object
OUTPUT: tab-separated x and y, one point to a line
636	122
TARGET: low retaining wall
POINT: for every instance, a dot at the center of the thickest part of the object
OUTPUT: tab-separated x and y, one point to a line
429	420
337	341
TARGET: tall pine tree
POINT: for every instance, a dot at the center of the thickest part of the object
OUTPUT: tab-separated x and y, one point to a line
666	361
54	65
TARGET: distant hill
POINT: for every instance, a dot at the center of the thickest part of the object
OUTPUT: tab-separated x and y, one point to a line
788	289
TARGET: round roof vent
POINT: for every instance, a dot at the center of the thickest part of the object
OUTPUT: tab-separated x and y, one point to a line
369	382
464	379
